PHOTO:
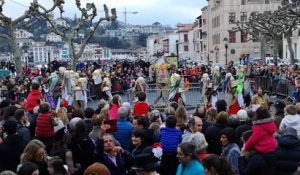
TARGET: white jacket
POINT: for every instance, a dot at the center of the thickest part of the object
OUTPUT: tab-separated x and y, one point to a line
290	121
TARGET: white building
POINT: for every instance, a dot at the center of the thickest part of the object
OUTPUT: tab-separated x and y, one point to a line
220	16
170	44
52	37
39	53
295	45
197	35
21	33
24	42
6	57
185	42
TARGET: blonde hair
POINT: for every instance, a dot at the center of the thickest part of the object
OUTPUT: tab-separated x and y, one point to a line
181	115
29	153
291	109
62	115
169	111
155	126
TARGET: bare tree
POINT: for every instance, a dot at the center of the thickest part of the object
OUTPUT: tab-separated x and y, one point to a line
9	25
68	34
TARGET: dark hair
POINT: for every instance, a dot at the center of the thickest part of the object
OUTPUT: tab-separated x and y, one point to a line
9	111
19	114
222	118
80	132
221	105
78	113
230	134
218	164
202	114
171	122
191	122
27	168
174	105
142	96
246	135
35	86
44	108
144	121
262	113
69	108
188	149
89	112
58	166
141	133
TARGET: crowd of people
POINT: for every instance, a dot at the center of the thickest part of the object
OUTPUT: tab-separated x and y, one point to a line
47	126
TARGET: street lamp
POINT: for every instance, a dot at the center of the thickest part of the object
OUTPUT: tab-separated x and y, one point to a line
226	42
48	48
26	61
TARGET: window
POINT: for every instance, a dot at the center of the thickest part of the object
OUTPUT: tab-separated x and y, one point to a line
186	39
267	1
243	16
232	38
186	48
231	17
244	2
243	37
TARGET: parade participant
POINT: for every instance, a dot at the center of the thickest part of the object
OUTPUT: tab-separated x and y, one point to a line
140	86
260	98
176	89
233	102
106	88
205	82
97	81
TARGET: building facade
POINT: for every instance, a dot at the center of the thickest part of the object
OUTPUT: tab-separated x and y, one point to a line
219	17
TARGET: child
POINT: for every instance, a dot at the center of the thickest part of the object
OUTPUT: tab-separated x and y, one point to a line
141	108
262	140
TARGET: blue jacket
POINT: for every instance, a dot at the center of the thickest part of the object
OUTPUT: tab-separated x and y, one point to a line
124	133
169	139
192	168
231	153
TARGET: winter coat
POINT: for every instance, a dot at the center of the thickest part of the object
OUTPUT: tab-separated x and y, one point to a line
113	112
170	138
288	154
231	153
290	121
44	127
33	99
262	138
192	168
123	134
10	152
24	132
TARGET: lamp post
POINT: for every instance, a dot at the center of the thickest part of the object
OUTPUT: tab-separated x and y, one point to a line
48	48
226	42
26	61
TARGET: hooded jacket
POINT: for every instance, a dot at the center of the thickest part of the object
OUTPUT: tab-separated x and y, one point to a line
262	139
290	121
33	99
288	154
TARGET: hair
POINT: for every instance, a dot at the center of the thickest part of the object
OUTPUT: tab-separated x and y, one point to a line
144	121
97	169
262	113
155	127
246	135
221	105
230	134
188	149
19	114
142	96
169	111
181	115
58	166
7	172
78	113
89	112
44	108
80	132
27	168
291	109
117	99
62	115
174	105
202	114
154	116
222	118
211	115
123	112
9	111
171	122
116	142
260	87
192	121
29	153
35	86
217	164
141	133
101	104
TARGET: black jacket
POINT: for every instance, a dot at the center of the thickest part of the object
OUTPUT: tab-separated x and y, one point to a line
288	154
213	138
10	152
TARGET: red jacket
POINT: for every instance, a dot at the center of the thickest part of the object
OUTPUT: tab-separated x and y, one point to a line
33	99
262	139
140	109
44	128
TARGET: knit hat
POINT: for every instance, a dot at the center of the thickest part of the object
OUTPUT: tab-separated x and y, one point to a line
10	127
97	169
198	140
242	115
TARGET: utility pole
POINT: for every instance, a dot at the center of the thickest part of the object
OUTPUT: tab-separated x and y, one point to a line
128	12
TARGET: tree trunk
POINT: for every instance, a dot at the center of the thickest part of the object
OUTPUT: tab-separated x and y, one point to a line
290	47
262	40
72	54
14	49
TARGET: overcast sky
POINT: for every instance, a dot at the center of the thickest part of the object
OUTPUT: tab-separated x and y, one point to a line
167	12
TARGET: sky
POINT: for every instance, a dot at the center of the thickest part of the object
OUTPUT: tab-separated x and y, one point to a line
166	12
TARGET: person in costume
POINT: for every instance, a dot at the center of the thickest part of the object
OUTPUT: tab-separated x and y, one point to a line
97	81
233	103
205	82
216	77
106	89
260	98
177	88
140	86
